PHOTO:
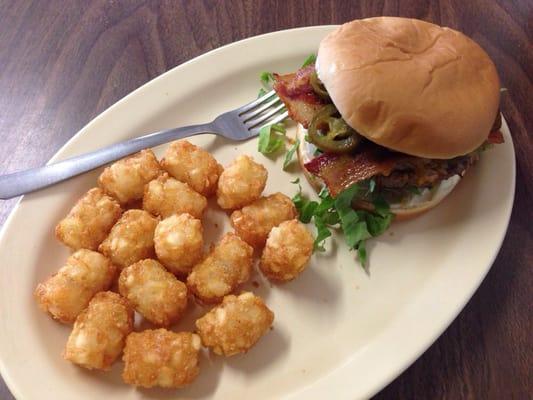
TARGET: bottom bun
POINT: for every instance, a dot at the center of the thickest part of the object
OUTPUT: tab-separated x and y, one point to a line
415	206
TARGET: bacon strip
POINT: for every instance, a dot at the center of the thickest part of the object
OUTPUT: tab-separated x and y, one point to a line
390	169
495	137
296	92
341	171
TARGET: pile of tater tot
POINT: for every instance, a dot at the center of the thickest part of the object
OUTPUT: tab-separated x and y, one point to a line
137	244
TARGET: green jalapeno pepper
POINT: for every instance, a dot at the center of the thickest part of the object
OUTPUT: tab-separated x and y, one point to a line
330	133
318	87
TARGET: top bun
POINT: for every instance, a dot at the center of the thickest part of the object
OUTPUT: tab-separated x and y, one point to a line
410	85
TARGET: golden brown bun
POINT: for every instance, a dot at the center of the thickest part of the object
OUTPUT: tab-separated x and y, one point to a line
401	214
411	86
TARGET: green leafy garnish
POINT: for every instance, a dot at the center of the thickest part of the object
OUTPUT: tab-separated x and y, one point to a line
377	224
290	154
306	208
261	93
271	138
309	60
332	213
361	252
308	211
484	147
414	190
322	233
353	227
266	77
381	206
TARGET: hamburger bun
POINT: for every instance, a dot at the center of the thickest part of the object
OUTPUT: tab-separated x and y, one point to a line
417	205
410	85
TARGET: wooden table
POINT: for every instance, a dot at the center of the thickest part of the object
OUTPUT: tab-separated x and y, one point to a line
64	62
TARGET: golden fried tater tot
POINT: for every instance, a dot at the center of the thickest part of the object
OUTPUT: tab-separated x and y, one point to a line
241	183
131	239
226	266
154	292
161	358
235	325
255	221
193	165
288	249
165	196
125	179
67	293
179	242
89	221
100	332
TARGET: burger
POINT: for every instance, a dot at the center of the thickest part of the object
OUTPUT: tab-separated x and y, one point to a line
400	106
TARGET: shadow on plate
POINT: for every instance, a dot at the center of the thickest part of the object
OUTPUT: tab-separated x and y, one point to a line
270	348
318	287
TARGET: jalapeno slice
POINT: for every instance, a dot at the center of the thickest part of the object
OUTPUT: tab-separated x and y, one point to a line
330	133
318	87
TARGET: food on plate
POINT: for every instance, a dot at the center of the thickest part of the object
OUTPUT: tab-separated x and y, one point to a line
240	183
165	196
100	331
161	358
287	251
402	103
395	111
179	242
148	248
154	292
227	265
193	165
89	221
67	293
254	222
131	239
235	325
125	179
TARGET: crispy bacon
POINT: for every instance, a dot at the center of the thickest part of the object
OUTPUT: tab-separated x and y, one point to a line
296	92
390	169
495	137
341	171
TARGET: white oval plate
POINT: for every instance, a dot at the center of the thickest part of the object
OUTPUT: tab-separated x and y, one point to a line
338	330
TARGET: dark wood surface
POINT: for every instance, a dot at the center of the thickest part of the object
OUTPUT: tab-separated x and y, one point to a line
64	62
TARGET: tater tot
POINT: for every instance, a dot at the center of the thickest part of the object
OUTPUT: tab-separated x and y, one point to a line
89	221
227	266
125	179
255	221
288	249
165	196
236	325
241	183
179	242
100	331
153	291
67	293
131	239
161	358
191	164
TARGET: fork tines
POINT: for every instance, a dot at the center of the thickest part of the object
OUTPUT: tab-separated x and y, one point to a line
266	110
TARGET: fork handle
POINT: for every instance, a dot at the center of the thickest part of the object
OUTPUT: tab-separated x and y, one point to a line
22	182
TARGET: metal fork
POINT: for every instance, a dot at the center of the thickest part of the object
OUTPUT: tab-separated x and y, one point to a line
240	124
